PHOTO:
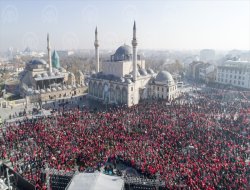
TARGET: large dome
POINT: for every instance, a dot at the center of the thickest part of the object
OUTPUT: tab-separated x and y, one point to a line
38	62
164	77
123	53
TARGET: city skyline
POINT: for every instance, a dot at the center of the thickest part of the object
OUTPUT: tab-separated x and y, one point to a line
182	25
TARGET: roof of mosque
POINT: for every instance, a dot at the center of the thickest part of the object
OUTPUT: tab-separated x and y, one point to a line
101	75
55	60
55	55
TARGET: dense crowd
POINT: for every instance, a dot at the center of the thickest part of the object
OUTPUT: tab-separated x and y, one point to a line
195	141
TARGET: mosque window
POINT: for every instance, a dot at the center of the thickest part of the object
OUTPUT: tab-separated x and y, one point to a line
131	88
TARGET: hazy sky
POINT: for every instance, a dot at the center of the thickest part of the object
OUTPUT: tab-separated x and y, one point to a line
161	24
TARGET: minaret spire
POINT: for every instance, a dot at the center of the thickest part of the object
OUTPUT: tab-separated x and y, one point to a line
134	45
96	44
49	54
96	33
134	31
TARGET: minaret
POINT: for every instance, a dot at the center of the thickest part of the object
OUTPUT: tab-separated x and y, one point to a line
134	45
49	54
96	51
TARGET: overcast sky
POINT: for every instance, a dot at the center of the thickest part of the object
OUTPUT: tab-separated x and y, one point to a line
161	24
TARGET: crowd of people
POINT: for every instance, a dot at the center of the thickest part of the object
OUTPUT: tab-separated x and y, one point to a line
197	142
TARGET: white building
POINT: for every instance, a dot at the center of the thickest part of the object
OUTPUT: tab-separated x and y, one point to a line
236	73
125	80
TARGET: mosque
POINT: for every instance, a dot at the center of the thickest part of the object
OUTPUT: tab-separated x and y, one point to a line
42	81
124	79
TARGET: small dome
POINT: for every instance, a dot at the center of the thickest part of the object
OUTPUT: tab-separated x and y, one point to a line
123	53
79	73
52	74
37	76
64	87
78	85
150	71
92	72
55	70
71	75
61	69
53	89
48	90
129	81
69	86
143	72
129	75
42	91
122	79
164	77
45	75
59	88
